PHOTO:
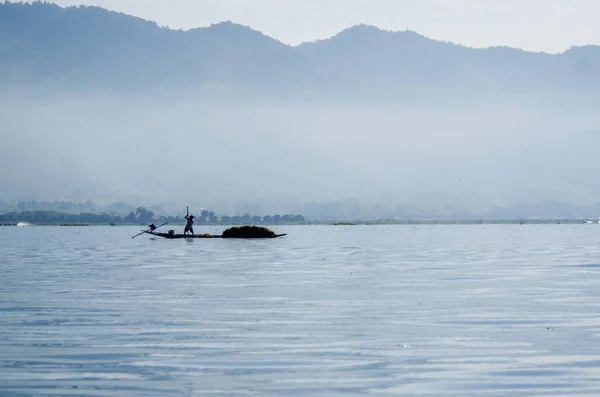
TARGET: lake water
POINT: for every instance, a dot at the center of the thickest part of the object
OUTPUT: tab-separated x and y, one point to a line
384	310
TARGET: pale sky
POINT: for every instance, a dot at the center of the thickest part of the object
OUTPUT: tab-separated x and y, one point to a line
537	25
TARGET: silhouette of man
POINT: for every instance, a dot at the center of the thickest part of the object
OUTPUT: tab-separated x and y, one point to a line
188	226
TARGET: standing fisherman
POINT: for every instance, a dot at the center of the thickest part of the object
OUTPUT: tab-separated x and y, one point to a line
190	222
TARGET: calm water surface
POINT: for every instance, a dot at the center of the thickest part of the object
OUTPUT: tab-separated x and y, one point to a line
325	311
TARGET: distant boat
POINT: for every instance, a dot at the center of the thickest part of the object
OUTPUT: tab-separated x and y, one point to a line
22	224
236	232
184	236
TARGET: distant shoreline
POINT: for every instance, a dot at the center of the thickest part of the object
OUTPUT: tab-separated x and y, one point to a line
338	223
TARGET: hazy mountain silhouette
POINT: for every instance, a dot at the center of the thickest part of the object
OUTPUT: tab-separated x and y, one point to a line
75	47
101	106
89	46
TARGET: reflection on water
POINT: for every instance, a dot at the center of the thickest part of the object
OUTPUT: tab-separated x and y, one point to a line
391	310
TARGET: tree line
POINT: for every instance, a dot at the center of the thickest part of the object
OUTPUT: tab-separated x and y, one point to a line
142	216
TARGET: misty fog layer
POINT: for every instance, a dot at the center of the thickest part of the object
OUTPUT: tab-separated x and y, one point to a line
264	157
101	106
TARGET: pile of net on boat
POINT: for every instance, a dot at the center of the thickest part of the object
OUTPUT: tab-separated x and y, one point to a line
248	232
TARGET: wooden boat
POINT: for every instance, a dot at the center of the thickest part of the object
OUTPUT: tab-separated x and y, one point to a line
174	236
237	232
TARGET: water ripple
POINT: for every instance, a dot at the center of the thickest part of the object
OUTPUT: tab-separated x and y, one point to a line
382	310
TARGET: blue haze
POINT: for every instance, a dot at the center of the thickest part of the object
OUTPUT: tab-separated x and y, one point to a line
101	106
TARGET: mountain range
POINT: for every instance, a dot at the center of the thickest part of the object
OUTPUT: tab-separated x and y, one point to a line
101	106
92	48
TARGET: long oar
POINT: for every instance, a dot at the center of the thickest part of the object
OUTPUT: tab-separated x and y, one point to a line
149	230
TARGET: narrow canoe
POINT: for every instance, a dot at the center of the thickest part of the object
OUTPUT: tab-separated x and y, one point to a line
181	236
